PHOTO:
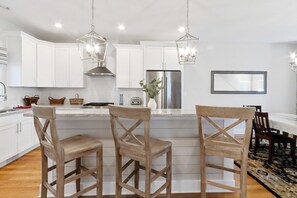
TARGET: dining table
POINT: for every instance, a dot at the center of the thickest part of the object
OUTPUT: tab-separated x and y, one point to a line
284	122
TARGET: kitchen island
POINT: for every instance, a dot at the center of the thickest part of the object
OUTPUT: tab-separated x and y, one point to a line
177	126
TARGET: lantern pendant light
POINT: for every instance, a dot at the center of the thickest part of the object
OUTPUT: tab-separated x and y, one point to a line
293	61
187	45
92	46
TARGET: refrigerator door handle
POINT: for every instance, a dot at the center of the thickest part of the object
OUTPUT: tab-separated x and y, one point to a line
165	93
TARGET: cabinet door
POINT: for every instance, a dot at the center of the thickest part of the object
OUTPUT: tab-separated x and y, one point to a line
136	67
76	70
171	59
123	68
25	135
153	58
45	65
61	67
8	143
28	64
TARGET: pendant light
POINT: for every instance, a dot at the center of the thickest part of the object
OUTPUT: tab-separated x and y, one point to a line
187	45
293	62
92	46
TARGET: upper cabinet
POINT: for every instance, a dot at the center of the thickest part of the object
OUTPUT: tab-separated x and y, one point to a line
161	58
45	64
21	65
129	60
37	63
68	66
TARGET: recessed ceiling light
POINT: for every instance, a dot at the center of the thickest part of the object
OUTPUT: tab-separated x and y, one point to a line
121	27
58	25
181	29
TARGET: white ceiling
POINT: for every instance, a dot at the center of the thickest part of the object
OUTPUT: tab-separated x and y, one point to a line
210	20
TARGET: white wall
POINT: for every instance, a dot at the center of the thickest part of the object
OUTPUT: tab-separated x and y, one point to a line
273	58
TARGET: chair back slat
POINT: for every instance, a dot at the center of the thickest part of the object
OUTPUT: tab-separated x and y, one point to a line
261	123
45	126
124	136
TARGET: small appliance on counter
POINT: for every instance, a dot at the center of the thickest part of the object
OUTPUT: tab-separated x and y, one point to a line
135	101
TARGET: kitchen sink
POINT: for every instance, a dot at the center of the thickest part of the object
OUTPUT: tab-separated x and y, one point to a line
8	110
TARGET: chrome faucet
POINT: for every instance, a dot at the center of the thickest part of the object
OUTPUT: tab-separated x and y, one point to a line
4	95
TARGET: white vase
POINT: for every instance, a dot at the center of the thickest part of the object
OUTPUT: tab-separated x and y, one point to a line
152	104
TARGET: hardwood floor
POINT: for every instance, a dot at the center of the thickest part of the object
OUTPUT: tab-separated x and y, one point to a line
21	179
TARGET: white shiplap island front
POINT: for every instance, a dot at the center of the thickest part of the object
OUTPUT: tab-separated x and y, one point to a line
177	126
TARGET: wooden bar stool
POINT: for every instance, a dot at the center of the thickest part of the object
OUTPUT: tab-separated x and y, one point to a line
222	144
140	149
62	152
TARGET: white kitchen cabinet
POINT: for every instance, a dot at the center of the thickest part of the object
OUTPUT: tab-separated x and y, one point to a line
45	64
129	60
17	136
21	64
68	66
8	136
25	136
161	58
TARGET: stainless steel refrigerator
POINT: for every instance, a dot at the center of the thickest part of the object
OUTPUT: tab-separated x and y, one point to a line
170	96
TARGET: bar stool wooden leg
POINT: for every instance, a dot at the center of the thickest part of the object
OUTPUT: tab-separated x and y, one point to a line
78	171
148	178
99	156
243	184
168	173
118	174
136	176
203	176
60	179
44	176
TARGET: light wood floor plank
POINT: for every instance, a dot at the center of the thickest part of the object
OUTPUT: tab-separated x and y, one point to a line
21	179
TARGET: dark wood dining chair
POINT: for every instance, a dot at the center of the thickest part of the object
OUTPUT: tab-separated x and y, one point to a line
263	130
258	109
141	149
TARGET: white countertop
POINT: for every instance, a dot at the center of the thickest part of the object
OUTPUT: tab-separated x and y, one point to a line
71	111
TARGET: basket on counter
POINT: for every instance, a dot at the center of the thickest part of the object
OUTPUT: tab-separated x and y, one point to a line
54	101
76	100
31	100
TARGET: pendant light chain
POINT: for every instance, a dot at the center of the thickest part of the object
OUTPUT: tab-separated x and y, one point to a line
187	16
92	26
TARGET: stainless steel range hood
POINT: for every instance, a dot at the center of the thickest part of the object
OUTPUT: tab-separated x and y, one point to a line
100	70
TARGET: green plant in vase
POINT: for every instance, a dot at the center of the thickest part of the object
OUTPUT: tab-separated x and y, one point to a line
152	89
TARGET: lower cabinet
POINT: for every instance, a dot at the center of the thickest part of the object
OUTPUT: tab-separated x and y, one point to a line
25	134
17	136
8	140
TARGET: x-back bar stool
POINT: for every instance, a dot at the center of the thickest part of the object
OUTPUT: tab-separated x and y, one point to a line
140	149
62	152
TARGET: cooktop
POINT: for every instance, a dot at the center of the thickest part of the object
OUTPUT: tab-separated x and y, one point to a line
97	105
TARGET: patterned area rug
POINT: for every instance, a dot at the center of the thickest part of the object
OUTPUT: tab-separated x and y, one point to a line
279	177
